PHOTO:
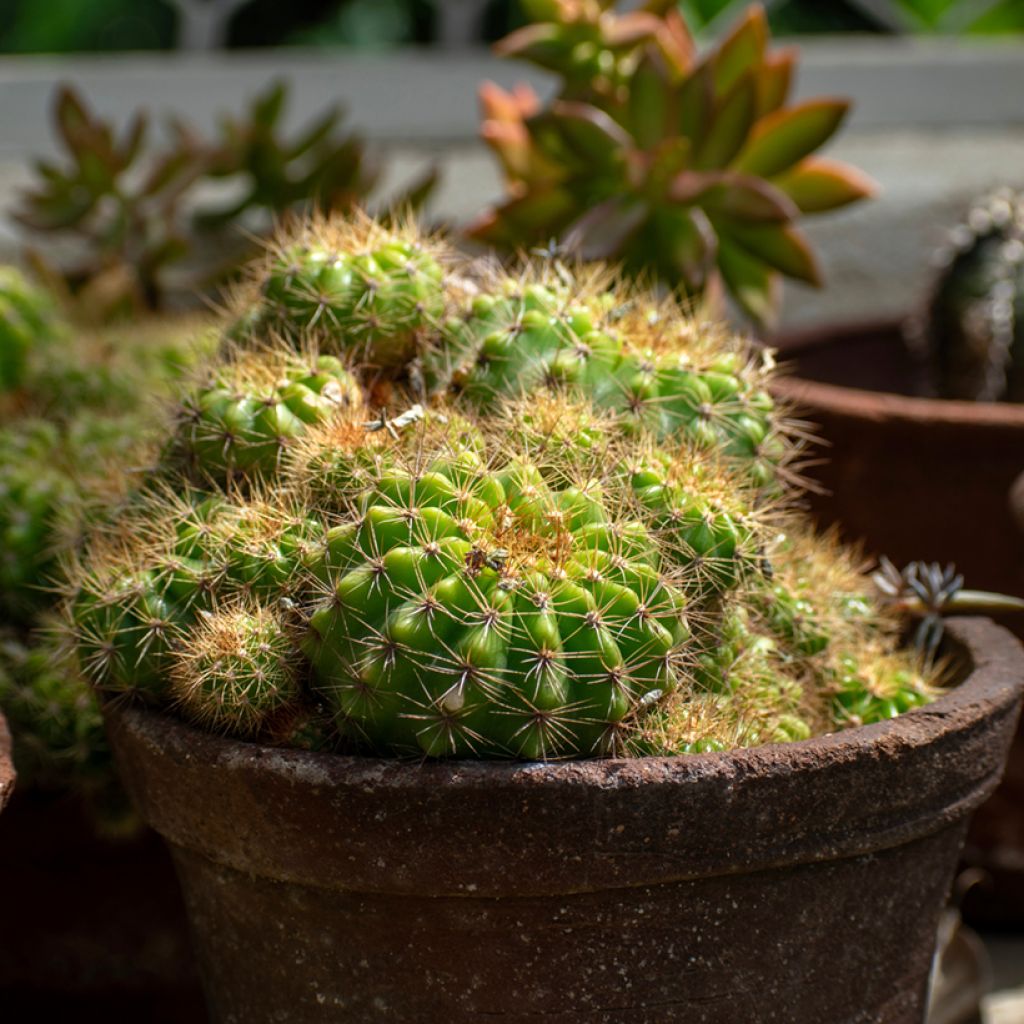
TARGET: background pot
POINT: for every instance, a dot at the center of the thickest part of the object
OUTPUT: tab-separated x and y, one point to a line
917	478
789	883
7	775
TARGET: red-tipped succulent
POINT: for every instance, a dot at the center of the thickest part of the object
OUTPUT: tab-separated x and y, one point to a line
693	169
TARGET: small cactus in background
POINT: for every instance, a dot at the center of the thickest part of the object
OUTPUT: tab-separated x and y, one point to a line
690	169
27	322
970	335
557	531
133	209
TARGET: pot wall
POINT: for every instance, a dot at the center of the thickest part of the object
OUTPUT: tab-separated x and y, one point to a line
911	478
926	479
788	883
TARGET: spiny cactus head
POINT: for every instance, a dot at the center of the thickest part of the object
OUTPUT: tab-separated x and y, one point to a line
234	670
693	169
486	613
971	332
367	292
242	422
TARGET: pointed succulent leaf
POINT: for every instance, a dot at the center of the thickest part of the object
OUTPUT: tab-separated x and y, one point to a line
629	29
741	50
537	215
133	140
752	284
317	132
604	231
590	132
736	196
780	246
542	44
730	126
267	108
782	139
817	184
774	79
696	101
648	104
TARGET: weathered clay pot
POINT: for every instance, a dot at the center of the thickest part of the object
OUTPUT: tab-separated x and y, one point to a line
919	478
788	883
7	774
913	478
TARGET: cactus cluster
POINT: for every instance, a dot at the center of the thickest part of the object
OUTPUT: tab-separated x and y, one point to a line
543	515
694	168
76	407
970	334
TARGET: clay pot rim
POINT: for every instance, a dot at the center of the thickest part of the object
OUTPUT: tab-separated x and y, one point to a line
880	404
985	648
358	824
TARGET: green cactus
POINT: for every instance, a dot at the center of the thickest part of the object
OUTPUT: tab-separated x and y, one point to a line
971	334
234	670
243	422
688	167
560	529
640	365
369	294
485	613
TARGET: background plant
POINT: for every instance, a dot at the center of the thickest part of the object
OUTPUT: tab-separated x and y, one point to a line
133	213
691	169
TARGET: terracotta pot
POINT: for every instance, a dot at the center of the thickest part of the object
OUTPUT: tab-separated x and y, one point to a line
794	883
7	773
913	478
920	478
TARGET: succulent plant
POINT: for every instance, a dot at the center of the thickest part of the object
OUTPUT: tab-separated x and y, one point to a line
970	336
136	215
690	169
497	560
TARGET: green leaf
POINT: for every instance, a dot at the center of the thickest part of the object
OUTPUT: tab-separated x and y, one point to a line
537	216
589	132
267	109
647	108
817	184
754	286
729	127
735	196
604	231
696	101
685	247
780	246
774	78
782	139
742	50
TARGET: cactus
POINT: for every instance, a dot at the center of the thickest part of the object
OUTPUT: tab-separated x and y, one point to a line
246	418
971	334
589	548
26	322
693	169
642	365
233	670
